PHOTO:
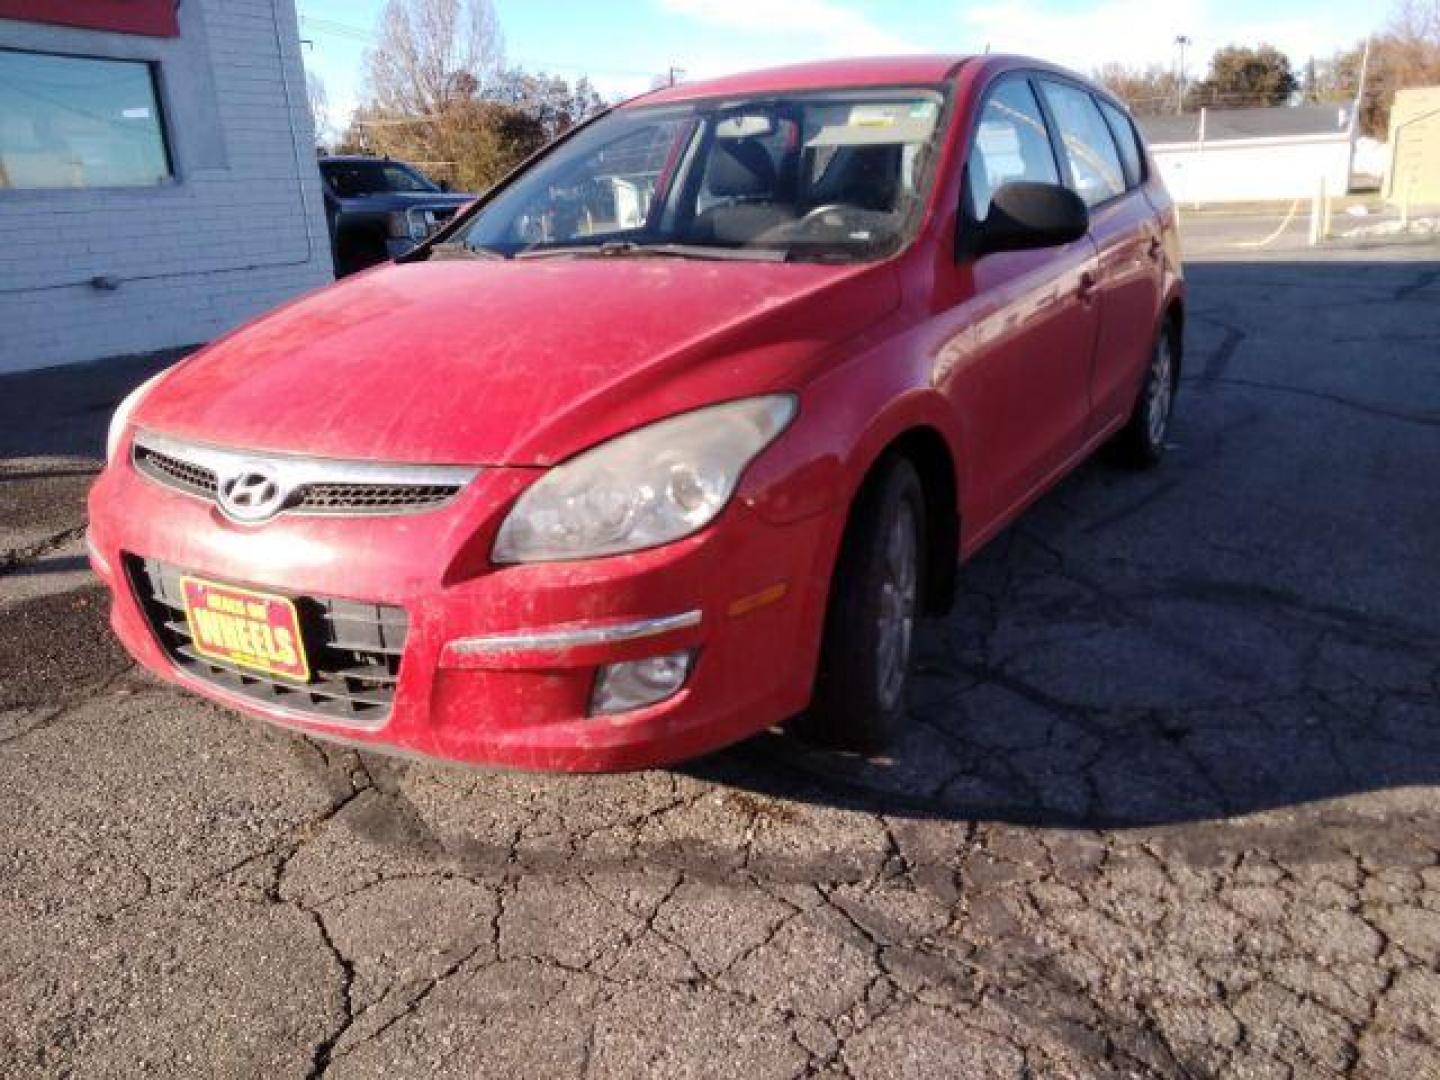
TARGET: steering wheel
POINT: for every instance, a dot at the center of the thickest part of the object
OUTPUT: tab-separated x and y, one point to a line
813	217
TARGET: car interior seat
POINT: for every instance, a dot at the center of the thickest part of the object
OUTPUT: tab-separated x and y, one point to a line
742	175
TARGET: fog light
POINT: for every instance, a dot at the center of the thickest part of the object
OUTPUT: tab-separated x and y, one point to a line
637	683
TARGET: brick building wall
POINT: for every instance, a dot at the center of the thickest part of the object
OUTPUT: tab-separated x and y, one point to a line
239	229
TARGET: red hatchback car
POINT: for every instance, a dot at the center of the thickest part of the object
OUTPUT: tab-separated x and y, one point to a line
671	436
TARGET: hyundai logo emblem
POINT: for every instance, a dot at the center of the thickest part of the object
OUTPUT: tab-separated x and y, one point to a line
252	495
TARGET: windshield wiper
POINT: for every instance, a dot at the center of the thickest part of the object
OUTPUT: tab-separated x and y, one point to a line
460	250
621	249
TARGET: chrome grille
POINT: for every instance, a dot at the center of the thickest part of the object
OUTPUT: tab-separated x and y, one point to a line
433	220
310	485
196	479
354	648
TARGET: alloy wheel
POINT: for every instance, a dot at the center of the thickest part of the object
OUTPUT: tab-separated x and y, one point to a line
1162	392
899	590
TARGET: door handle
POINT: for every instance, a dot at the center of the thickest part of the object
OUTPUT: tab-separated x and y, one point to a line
1088	287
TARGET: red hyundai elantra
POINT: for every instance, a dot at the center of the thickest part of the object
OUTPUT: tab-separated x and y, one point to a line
671	436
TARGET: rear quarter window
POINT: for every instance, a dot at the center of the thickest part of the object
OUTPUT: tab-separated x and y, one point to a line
1131	156
1095	168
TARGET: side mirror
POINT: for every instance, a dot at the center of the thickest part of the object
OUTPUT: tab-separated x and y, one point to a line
1026	216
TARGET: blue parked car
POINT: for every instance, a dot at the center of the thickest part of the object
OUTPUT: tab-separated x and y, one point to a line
378	209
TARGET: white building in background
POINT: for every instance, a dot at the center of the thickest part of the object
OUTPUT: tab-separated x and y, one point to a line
158	182
1245	155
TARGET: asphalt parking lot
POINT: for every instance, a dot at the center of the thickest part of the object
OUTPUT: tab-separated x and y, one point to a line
1169	804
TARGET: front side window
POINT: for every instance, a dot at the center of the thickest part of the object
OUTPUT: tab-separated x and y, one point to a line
355	178
75	122
1095	167
1011	144
822	176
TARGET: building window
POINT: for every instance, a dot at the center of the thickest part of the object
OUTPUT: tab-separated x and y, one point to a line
77	122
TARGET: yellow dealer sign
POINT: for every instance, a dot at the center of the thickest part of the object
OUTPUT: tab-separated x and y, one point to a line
1414	174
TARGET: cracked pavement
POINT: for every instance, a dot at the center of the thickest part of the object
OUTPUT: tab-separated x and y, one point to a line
1167	806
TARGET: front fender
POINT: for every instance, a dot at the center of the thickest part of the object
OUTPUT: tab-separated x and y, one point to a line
847	419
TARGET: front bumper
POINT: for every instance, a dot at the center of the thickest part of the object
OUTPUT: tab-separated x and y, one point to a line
499	663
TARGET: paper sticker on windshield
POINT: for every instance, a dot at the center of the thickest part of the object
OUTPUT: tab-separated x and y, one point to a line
924	110
873	116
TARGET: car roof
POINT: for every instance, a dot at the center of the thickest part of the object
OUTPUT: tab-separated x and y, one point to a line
825	74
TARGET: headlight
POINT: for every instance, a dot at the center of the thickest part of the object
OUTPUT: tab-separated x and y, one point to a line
647	488
121	418
410	224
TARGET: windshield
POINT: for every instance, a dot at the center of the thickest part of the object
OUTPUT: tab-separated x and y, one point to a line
350	178
824	176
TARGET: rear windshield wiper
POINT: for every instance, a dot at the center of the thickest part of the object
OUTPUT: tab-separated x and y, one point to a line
620	249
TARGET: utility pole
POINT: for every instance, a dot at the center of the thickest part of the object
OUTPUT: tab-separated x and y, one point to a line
674	75
1183	42
1353	129
1360	87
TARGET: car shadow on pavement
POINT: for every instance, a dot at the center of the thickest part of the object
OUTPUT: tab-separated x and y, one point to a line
1252	625
53	564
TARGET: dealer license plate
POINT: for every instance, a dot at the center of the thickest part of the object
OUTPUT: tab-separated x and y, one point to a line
248	629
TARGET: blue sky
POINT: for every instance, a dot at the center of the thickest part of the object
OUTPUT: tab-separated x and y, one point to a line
622	44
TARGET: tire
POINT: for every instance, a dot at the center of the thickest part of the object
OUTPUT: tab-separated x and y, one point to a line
1141	442
875	599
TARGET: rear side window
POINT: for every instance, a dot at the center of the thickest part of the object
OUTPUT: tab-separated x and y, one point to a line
1095	168
1011	144
1125	138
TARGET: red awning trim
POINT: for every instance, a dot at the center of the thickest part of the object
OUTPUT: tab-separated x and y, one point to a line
153	18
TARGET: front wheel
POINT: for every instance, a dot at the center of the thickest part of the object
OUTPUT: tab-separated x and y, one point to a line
860	691
1141	442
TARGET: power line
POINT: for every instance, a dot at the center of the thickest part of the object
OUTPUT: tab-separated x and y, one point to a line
330	26
356	33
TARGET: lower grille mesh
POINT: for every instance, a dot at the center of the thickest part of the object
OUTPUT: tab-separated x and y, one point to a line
373	498
354	648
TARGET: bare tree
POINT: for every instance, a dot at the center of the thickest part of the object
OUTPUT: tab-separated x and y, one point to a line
319	102
440	95
1148	92
431	54
1416	20
555	102
1406	54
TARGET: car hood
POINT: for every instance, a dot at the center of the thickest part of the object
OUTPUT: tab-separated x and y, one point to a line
407	200
519	362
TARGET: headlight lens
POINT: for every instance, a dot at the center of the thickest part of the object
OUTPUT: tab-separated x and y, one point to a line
410	224
650	487
121	418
